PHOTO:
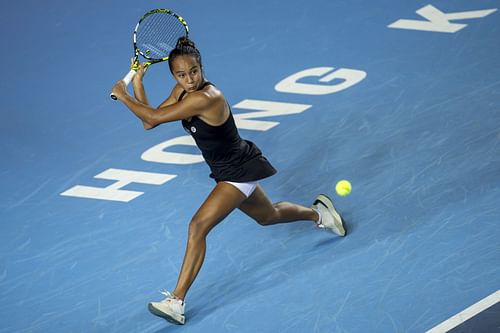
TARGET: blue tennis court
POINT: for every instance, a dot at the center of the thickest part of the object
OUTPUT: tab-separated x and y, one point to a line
400	98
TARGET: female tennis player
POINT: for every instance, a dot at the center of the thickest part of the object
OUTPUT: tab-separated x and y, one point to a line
236	165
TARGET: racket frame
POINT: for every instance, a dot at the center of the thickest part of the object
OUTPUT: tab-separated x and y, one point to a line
130	75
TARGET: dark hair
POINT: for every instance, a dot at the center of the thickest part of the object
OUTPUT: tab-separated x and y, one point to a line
184	46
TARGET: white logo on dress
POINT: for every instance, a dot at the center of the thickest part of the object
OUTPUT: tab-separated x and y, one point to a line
193	129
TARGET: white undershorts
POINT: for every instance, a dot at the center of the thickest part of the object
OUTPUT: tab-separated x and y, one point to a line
245	188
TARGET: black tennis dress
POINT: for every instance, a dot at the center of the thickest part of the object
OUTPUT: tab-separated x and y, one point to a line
229	156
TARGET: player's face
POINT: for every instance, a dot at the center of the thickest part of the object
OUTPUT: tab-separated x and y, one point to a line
187	72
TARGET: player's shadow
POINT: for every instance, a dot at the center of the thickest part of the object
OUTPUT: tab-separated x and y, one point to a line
171	328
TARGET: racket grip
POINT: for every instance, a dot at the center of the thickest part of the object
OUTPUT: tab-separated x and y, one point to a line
127	79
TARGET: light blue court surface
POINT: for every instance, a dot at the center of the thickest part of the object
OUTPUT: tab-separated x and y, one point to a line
410	117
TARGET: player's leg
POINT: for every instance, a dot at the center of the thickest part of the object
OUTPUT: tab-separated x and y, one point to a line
263	211
223	199
323	213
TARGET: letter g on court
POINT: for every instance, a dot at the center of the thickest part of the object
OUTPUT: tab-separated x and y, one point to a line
347	77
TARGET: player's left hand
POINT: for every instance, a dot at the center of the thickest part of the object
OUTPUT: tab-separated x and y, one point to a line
119	89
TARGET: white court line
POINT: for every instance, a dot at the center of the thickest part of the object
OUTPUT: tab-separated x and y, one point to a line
466	314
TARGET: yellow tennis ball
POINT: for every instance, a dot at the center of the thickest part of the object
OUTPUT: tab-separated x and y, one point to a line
343	188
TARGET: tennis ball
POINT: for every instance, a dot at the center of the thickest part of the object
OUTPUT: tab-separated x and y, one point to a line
343	188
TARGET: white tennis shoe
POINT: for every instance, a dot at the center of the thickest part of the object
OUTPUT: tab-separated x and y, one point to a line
329	217
171	308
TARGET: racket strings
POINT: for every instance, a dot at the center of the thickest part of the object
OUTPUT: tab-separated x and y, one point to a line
157	35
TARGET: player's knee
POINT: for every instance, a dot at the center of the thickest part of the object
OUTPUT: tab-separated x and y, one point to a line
198	227
269	218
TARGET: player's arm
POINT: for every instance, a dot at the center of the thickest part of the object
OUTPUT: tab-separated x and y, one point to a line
193	105
139	92
174	96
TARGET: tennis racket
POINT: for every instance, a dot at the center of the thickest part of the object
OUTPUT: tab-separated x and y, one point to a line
155	35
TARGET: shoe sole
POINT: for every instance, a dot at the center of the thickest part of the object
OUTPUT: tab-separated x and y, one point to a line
325	200
172	318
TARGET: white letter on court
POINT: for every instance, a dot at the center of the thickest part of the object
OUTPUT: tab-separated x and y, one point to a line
349	78
123	178
438	21
158	155
271	109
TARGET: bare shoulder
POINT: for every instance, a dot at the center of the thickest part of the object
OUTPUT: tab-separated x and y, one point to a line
212	104
208	95
214	94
